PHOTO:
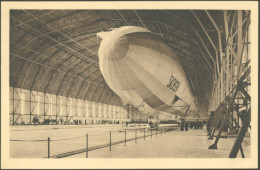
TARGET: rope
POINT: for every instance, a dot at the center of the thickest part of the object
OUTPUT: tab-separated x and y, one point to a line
68	138
18	140
118	131
99	134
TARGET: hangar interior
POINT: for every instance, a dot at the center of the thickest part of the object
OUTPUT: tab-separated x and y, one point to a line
55	75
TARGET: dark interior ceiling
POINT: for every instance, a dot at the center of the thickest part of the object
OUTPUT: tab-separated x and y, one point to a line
55	51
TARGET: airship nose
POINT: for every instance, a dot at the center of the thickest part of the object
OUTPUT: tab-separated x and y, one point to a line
118	48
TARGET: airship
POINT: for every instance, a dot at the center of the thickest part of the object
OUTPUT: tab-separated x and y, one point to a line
144	71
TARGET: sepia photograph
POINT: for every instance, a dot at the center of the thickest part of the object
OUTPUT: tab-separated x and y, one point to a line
94	83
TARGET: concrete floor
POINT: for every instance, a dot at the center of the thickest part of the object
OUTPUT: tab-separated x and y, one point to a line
32	149
98	135
175	144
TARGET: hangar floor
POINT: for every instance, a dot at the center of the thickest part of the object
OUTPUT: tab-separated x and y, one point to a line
173	144
176	144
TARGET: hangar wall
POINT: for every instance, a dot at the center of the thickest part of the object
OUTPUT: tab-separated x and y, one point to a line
26	104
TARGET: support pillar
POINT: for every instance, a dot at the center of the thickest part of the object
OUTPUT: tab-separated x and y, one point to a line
240	137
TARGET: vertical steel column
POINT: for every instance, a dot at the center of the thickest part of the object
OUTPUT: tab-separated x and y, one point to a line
239	41
49	147
222	81
216	96
22	100
144	133
227	59
219	89
44	106
135	135
56	107
13	106
238	104
66	114
30	106
110	141
222	65
125	137
87	145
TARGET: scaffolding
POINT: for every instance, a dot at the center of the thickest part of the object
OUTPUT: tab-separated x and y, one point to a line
230	98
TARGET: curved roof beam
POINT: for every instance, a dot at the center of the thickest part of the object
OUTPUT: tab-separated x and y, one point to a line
72	55
55	40
67	41
42	79
219	37
140	19
196	31
53	68
205	31
157	22
79	89
51	59
123	17
60	32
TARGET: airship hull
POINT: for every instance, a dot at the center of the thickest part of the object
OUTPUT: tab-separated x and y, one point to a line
144	71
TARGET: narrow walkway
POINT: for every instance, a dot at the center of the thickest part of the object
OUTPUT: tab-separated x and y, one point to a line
175	144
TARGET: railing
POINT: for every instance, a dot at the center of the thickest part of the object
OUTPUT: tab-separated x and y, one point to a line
129	135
